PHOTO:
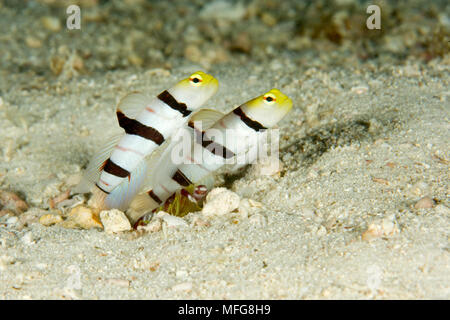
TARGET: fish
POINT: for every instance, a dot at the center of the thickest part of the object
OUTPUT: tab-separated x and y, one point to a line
148	124
207	152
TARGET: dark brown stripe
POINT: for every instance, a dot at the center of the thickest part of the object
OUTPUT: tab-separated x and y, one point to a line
211	146
168	99
114	169
255	125
132	126
181	178
218	149
154	196
101	189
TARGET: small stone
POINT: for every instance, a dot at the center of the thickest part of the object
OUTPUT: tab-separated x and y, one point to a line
199	221
32	42
83	217
27	239
153	226
380	180
51	23
50	219
360	89
134	59
158	72
308	213
41	266
172	221
5	261
114	221
321	231
154	266
244	208
384	228
372	232
12	221
267	167
220	201
181	274
221	9
185	286
424	203
10	200
390	164
268	19
119	282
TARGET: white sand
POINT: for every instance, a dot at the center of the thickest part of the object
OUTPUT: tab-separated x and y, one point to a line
307	242
367	138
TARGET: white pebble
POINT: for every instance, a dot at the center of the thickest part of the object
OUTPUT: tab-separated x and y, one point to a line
181	274
41	266
154	226
222	10
114	221
424	203
5	261
172	221
220	201
185	286
267	167
51	23
12	221
308	213
386	227
360	89
119	282
321	231
27	239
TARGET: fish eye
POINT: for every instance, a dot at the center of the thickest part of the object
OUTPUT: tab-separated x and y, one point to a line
195	79
269	98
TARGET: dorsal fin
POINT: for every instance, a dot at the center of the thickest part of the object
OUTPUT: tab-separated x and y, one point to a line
121	196
161	166
94	168
208	117
133	103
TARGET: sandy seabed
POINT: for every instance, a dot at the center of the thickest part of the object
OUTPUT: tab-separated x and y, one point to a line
362	145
